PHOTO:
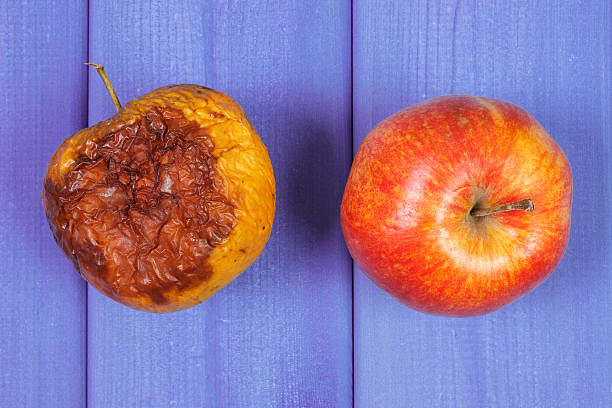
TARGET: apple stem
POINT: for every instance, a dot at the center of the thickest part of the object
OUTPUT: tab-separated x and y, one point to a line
107	83
526	205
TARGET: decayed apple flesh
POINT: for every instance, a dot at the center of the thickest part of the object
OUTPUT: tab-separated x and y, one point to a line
143	207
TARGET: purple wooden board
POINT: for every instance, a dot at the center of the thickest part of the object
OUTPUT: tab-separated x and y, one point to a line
279	335
552	348
43	98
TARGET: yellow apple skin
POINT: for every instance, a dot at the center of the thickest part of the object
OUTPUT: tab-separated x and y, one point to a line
406	214
243	178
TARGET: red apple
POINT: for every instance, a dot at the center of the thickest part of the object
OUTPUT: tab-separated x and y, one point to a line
458	205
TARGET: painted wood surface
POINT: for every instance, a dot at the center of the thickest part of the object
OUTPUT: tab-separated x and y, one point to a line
43	92
280	334
552	348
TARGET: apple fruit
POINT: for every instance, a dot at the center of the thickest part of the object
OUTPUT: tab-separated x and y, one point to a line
458	205
164	203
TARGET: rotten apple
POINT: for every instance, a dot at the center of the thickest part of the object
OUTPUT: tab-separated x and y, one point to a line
164	203
458	205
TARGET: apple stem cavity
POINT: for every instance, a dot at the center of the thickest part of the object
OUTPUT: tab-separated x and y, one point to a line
107	83
525	204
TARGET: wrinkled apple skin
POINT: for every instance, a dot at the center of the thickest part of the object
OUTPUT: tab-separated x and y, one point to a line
405	213
242	161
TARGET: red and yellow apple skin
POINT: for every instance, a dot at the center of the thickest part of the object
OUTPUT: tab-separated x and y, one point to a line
417	175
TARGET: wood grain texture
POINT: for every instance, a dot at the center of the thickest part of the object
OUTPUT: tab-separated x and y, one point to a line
552	347
279	335
42	101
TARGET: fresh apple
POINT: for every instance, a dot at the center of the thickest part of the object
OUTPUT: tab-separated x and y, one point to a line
458	205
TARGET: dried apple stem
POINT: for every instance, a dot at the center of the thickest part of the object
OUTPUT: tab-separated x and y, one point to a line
107	83
526	205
